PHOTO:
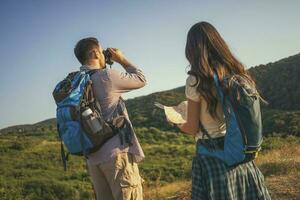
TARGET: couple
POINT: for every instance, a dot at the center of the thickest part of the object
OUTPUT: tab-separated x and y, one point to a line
113	168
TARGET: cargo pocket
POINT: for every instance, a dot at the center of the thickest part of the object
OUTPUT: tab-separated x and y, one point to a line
130	180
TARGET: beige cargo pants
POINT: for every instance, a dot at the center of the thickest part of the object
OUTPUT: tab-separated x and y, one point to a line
118	179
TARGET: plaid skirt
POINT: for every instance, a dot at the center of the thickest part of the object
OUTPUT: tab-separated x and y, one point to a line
214	180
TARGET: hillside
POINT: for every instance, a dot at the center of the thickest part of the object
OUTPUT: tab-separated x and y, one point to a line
278	82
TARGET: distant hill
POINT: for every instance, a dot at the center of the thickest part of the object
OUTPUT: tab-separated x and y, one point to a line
278	82
143	112
31	129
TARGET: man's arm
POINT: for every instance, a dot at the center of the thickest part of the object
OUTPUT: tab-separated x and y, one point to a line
133	78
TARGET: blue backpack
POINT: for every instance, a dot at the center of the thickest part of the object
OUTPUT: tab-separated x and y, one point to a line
243	138
80	124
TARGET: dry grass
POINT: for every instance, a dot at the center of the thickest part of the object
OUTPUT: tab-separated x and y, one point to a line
281	168
172	191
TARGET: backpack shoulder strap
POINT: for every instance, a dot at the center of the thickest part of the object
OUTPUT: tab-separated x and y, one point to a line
233	106
220	94
89	71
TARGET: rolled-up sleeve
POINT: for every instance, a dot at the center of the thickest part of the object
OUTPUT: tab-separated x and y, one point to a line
132	78
191	90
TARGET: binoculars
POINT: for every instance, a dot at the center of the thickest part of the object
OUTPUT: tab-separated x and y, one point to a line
107	56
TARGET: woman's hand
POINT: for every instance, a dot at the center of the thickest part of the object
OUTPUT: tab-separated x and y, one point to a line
191	127
179	126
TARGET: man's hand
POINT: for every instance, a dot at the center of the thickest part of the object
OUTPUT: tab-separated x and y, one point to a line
118	56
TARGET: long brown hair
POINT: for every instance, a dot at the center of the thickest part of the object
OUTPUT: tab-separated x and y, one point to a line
208	53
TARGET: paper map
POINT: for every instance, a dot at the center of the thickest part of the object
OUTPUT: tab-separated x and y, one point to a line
175	114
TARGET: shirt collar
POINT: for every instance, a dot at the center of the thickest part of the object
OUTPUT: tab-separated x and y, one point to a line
88	67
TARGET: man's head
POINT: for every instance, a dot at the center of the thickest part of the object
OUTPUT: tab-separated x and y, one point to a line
89	52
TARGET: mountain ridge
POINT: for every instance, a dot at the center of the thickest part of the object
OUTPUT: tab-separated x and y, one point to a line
282	94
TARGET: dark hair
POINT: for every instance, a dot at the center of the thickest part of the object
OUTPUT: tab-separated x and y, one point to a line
207	54
83	48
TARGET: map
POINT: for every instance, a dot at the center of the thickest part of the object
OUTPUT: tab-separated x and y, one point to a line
175	114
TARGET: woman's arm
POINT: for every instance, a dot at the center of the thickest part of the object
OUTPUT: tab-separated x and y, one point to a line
191	127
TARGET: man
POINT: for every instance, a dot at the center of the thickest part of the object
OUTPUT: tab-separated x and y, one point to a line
113	168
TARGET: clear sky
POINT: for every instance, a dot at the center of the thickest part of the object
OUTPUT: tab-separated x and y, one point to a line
37	38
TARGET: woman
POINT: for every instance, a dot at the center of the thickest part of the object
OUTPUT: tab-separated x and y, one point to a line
207	54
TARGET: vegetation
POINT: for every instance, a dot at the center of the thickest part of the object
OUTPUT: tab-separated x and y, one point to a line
279	82
278	122
30	165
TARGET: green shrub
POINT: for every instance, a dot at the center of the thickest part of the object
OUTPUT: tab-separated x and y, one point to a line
48	189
